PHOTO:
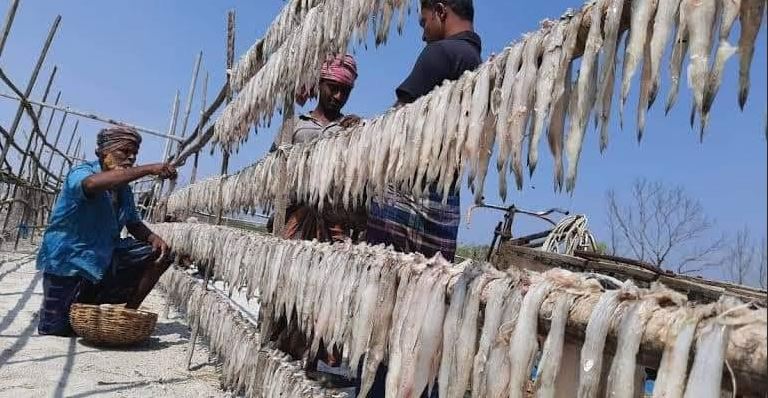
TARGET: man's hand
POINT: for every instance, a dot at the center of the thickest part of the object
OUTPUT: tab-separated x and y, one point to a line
350	121
158	245
164	170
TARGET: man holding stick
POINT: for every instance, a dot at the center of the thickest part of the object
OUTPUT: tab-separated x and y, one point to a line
82	257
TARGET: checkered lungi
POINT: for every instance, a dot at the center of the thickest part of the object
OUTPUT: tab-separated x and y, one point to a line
129	261
423	225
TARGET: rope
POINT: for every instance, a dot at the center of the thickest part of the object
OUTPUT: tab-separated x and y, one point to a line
569	235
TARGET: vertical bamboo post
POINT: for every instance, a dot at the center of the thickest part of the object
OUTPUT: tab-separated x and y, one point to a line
61	168
19	112
9	16
224	167
187	111
281	202
157	187
193	176
190	96
33	135
30	87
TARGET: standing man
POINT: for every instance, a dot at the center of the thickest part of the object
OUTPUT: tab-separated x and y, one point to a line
337	79
82	256
424	224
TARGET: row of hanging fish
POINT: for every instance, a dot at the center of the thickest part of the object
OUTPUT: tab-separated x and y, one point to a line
294	66
522	93
248	368
281	28
470	327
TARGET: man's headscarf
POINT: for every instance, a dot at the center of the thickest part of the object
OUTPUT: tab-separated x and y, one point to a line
341	69
116	138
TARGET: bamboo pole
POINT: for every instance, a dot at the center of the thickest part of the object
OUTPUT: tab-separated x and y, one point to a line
30	111
95	117
9	17
199	139
193	176
158	187
187	111
30	85
281	202
69	146
33	135
4	133
224	169
191	94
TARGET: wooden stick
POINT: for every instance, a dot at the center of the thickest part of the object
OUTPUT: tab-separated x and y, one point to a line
31	113
187	111
95	117
224	167
199	139
157	188
9	17
193	177
30	85
191	93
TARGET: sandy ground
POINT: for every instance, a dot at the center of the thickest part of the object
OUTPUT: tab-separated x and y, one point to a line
44	366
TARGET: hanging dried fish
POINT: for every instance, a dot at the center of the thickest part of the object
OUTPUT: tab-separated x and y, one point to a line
608	76
561	99
553	47
552	352
522	100
642	15
525	344
585	95
725	50
750	18
591	363
512	66
701	19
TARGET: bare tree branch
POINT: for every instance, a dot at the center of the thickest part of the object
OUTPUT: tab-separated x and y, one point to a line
663	226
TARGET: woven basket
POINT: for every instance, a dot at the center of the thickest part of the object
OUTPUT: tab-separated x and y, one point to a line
111	325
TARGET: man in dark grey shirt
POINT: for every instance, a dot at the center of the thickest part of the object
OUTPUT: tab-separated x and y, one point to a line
428	225
425	224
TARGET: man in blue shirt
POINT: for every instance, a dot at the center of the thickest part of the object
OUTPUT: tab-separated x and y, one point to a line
82	256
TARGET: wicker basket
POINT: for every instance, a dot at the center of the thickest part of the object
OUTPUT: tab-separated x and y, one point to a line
111	325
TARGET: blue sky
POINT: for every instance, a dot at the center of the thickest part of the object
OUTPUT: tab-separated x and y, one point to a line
127	59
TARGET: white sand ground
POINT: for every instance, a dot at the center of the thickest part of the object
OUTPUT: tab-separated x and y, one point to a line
44	366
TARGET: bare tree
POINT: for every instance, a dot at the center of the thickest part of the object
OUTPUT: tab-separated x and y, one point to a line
744	261
739	260
663	226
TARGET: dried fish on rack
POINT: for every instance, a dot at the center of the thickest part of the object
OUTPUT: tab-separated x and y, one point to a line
422	316
248	367
495	105
294	61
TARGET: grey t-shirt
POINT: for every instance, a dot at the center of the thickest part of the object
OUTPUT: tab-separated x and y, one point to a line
306	128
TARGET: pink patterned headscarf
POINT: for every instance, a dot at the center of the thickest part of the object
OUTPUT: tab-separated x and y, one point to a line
341	69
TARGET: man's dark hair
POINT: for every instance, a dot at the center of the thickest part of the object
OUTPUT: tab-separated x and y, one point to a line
462	8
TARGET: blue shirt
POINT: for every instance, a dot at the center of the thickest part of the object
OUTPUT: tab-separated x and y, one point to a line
83	232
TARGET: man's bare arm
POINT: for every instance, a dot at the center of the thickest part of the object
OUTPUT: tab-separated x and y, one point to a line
141	232
107	180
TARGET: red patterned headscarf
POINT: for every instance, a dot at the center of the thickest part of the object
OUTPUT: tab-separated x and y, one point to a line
341	69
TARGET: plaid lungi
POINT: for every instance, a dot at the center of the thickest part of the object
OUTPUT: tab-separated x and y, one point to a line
424	225
129	261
